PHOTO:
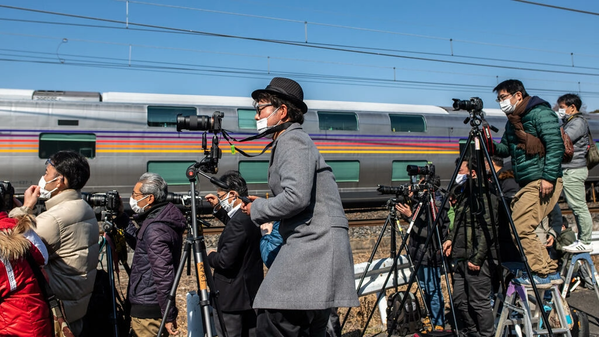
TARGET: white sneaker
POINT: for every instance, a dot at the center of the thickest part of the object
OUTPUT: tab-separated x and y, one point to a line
578	247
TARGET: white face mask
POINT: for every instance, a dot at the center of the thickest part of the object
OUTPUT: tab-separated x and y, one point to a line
507	107
45	194
262	124
226	205
561	113
461	178
135	207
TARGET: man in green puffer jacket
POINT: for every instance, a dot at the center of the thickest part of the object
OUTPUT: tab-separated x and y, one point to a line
532	138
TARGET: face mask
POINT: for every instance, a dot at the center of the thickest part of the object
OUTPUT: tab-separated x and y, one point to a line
461	178
561	113
507	107
226	206
134	207
45	194
262	124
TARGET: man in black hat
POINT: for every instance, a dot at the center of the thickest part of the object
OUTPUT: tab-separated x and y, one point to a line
313	271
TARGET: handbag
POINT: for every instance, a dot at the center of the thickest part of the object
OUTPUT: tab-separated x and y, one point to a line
60	326
568	147
593	153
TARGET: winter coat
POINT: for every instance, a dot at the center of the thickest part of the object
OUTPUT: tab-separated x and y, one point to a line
540	121
157	243
70	231
238	269
473	241
431	254
577	128
23	308
314	268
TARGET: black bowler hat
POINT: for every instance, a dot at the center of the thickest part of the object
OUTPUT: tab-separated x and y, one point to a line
287	89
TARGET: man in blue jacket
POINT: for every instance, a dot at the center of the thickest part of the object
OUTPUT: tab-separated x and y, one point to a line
157	237
533	140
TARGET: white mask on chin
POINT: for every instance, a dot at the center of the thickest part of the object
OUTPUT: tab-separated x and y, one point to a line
45	194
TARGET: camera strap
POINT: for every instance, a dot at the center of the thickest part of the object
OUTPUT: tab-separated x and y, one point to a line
272	130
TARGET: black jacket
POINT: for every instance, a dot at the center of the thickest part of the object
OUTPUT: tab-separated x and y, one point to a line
238	268
157	245
419	233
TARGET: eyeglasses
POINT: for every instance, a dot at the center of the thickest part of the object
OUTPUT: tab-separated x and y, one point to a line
502	97
49	162
260	107
133	194
221	197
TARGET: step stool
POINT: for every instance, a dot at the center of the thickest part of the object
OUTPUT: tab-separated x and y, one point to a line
517	311
585	261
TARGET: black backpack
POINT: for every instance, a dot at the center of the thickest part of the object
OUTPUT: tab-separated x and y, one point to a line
406	320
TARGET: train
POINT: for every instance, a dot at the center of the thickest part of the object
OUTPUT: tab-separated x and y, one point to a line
126	134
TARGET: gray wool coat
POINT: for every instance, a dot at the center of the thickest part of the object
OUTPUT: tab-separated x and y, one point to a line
314	268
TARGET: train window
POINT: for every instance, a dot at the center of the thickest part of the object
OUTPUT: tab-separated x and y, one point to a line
346	121
398	171
254	172
245	119
166	116
173	172
346	171
407	123
83	143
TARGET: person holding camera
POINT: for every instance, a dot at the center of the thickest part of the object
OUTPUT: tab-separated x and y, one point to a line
313	270
237	263
69	230
471	244
533	140
23	307
156	235
429	272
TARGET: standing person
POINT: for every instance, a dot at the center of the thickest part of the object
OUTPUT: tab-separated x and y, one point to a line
237	263
23	308
576	172
471	244
429	272
157	238
313	271
533	140
69	230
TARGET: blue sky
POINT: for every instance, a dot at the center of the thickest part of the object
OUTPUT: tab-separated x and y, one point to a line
377	51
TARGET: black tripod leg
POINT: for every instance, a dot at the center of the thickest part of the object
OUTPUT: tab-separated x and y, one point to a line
109	261
374	249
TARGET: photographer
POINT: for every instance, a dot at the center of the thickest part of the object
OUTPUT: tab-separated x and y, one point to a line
429	273
23	308
237	263
471	244
313	271
70	232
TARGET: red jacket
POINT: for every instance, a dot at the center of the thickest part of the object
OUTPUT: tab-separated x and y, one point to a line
23	309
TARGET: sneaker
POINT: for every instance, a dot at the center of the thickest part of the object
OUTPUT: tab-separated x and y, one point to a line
578	247
555	278
439	328
540	282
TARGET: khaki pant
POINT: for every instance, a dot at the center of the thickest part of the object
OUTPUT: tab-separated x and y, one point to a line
146	327
528	210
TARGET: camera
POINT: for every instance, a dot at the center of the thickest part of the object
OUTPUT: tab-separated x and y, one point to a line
7	193
475	104
427	170
110	200
201	122
183	199
397	190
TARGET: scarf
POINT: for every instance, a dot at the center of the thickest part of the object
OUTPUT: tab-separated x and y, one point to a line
527	142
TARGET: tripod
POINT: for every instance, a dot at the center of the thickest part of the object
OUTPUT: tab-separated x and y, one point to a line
204	278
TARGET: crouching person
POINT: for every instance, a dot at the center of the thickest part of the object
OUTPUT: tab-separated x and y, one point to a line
156	235
237	263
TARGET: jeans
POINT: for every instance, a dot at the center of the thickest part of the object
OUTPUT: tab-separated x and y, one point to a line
429	279
574	190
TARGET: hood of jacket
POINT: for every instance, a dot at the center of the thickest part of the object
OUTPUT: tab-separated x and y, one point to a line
534	101
13	244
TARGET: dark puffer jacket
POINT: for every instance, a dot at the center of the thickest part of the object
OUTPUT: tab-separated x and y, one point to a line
157	245
431	254
540	121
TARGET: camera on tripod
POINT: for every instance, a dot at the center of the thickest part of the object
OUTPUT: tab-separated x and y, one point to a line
475	104
183	199
109	200
201	122
7	193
